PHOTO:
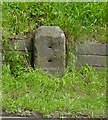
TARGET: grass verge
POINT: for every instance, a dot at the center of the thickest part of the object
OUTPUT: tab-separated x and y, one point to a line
77	93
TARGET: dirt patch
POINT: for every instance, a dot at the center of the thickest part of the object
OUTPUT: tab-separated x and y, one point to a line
56	114
22	114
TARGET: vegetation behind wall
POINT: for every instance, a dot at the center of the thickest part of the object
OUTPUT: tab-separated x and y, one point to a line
78	20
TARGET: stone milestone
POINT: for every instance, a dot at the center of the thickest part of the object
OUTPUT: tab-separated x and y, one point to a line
49	50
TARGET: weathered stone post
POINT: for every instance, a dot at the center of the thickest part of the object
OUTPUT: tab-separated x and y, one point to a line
49	50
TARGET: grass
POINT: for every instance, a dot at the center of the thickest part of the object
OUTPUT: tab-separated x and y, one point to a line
79	20
77	93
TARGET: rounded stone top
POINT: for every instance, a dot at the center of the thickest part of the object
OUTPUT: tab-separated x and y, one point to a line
53	31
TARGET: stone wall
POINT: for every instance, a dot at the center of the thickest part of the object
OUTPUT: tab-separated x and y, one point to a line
91	53
23	44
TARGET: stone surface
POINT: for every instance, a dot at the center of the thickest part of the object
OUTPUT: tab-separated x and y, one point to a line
92	60
92	53
49	49
22	43
92	48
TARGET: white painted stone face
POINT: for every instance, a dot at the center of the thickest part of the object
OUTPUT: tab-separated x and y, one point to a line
49	49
